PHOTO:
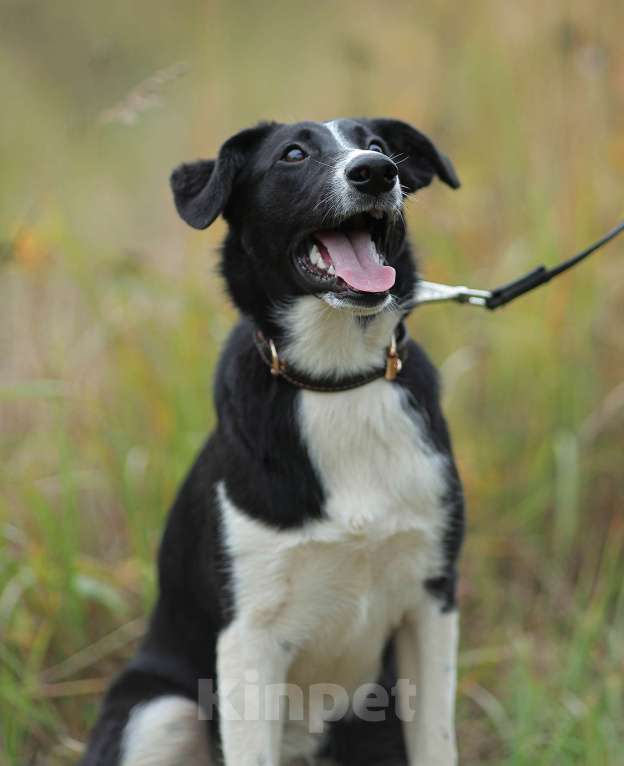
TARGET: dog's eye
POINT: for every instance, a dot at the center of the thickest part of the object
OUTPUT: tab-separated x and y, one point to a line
375	146
294	154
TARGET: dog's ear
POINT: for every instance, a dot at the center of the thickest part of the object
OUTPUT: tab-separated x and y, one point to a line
416	156
201	189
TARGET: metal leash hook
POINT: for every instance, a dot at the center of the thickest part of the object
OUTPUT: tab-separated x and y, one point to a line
433	292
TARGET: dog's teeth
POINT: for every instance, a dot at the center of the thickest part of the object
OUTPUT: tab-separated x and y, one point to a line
331	271
315	256
316	259
378	214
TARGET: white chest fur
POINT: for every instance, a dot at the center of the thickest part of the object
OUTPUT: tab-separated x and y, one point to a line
335	589
379	473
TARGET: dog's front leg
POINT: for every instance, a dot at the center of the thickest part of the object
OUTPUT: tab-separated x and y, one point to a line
426	646
251	669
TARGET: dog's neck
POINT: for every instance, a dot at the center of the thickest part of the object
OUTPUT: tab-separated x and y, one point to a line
324	342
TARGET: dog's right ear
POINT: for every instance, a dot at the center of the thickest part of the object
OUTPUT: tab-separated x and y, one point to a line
201	189
418	159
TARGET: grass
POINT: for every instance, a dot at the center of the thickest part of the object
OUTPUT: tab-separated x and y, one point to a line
111	319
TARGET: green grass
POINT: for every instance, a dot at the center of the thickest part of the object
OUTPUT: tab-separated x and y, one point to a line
111	318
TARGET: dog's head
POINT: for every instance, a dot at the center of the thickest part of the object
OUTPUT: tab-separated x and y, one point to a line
313	208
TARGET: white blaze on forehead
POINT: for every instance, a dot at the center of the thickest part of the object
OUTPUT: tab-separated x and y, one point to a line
342	141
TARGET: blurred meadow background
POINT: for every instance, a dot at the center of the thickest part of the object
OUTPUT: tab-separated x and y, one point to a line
111	318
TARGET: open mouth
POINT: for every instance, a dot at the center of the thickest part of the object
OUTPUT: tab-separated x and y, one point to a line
349	258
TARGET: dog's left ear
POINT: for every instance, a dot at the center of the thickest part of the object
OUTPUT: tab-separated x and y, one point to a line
201	189
416	156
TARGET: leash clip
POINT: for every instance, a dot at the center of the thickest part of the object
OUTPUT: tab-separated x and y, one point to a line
394	364
433	292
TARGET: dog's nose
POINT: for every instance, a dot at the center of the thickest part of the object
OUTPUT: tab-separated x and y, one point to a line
371	173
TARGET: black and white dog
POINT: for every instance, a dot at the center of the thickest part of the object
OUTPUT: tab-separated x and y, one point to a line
314	543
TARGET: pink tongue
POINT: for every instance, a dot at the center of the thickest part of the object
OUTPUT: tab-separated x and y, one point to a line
354	258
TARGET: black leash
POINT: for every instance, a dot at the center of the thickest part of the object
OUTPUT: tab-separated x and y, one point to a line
432	292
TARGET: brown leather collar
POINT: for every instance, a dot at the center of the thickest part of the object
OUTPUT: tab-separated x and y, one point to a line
396	354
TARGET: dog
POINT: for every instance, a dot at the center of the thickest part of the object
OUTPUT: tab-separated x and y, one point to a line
314	543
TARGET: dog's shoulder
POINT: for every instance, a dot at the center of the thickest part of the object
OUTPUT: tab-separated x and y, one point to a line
264	462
